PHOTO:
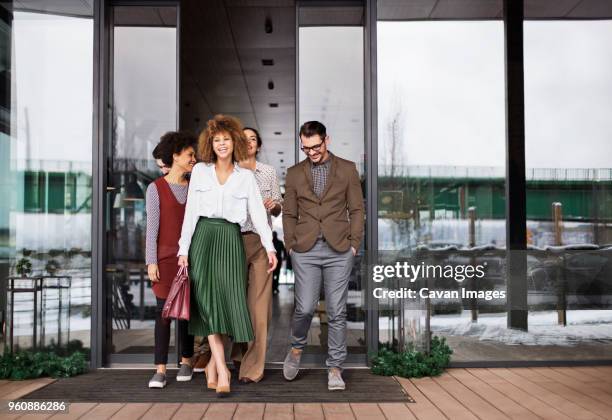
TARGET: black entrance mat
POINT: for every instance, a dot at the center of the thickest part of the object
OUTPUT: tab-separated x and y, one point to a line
116	385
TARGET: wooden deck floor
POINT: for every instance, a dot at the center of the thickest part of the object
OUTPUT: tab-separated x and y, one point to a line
525	393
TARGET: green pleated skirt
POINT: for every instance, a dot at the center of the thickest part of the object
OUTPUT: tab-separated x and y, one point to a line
218	274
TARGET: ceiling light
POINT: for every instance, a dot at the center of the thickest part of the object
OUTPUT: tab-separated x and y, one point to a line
270	85
268	26
277	133
281	153
273	105
267	62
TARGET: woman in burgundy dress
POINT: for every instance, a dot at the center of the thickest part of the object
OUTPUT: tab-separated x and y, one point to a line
165	202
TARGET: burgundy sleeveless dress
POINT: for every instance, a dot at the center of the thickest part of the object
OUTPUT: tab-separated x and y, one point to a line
171	214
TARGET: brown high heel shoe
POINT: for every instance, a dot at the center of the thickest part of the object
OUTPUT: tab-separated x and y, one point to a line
224	391
209	385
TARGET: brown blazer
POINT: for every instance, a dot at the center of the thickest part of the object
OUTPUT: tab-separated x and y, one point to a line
338	214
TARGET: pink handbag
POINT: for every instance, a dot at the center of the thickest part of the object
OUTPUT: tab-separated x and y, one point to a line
177	302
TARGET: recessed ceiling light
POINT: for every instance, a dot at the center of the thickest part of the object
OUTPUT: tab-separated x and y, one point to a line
267	62
281	153
277	133
268	26
270	85
273	105
282	160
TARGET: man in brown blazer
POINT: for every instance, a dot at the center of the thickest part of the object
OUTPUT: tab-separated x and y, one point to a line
323	227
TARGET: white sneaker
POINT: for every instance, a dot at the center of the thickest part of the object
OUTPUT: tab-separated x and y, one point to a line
334	380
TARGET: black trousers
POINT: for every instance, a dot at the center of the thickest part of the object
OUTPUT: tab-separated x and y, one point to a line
162	336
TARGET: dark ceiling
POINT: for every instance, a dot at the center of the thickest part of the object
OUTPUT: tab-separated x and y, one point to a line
223	45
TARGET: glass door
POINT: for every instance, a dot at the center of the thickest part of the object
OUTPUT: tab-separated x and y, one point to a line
331	90
144	106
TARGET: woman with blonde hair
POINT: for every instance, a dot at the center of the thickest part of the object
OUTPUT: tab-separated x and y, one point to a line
220	192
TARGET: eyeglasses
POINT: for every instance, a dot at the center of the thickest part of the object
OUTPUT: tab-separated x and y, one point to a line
316	147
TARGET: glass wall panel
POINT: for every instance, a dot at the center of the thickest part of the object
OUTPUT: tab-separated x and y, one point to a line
144	108
46	108
441	176
568	129
331	90
331	86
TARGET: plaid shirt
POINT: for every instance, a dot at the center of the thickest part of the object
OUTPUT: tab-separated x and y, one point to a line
267	181
320	172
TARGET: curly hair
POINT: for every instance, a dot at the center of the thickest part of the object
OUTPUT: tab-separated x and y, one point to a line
173	142
157	152
222	124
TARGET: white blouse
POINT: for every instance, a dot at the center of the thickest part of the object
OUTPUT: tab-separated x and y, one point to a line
231	201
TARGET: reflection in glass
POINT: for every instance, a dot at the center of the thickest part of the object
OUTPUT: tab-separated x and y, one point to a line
144	99
46	71
568	77
331	86
441	140
331	91
568	130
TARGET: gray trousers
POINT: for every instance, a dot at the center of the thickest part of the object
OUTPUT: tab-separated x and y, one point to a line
322	265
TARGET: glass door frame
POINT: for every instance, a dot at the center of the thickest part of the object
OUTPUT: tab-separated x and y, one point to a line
371	156
101	295
101	323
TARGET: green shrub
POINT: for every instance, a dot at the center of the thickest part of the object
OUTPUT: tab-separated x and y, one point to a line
412	363
23	267
67	349
29	365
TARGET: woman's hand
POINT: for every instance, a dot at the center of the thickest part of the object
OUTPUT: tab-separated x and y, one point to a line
183	261
269	204
272	206
272	261
153	271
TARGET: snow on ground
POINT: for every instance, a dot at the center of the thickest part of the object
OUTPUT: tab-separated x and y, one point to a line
582	326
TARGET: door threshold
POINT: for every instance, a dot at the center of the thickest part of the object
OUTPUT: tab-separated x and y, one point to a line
309	361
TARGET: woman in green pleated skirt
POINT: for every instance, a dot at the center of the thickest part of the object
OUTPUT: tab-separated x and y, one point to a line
220	199
218	273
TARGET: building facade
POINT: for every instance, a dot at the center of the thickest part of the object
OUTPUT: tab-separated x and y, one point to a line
481	131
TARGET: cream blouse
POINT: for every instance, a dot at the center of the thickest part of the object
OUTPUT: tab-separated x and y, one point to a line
231	201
